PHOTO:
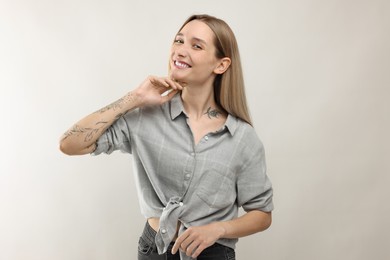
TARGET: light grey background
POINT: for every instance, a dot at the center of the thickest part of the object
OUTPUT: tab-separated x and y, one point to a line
317	76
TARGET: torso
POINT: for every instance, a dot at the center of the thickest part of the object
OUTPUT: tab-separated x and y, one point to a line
199	128
154	223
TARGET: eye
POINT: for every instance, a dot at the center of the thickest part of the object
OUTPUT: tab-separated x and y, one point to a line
197	46
179	41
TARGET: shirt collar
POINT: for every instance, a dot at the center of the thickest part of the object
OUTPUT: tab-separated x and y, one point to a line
231	124
176	108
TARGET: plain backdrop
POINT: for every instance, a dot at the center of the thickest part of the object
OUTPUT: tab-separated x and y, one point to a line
317	80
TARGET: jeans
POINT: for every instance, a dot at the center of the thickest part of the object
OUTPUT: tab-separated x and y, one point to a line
147	249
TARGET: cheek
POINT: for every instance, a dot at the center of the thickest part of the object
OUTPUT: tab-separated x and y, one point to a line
208	63
172	51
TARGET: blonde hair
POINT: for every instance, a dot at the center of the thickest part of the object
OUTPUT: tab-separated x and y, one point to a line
229	88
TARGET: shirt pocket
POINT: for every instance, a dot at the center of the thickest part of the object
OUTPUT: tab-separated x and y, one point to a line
216	189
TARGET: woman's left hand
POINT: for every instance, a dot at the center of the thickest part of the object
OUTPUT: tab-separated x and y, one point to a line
195	239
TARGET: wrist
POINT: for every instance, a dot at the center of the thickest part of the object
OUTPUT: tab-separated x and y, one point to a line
133	100
220	229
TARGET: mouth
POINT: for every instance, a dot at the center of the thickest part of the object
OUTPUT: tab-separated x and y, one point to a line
181	65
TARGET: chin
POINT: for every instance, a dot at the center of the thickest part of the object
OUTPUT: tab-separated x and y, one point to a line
178	77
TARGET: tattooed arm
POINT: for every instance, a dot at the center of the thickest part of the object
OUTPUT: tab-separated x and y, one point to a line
81	138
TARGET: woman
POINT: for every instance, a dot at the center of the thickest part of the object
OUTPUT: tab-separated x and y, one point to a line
198	158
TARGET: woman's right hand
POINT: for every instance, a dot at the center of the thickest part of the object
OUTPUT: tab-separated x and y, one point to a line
156	90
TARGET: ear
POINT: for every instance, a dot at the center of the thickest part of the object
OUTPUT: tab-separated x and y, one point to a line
223	65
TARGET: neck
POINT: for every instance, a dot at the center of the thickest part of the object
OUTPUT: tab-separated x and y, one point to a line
197	102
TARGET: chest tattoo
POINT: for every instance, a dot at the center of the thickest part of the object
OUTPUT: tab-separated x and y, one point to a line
212	112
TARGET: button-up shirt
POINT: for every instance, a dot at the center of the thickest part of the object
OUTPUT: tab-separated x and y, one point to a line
178	181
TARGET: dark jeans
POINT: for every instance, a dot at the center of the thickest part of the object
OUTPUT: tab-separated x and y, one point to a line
147	249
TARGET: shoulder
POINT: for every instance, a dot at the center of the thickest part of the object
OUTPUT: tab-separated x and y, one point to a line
248	144
246	132
146	113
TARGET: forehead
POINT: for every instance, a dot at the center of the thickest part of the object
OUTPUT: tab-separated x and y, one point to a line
198	29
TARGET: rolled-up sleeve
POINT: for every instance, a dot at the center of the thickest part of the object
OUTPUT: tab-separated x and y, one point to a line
116	137
254	188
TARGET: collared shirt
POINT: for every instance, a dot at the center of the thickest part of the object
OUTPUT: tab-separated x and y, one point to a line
195	184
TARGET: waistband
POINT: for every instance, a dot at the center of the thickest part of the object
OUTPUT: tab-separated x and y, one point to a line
149	234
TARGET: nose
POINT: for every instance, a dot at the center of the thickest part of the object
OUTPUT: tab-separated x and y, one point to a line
180	50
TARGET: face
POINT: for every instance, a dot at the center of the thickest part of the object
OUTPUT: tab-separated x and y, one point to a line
193	59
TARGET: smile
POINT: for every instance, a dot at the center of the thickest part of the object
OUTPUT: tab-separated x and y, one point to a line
181	65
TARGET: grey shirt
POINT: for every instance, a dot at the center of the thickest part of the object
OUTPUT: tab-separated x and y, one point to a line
194	184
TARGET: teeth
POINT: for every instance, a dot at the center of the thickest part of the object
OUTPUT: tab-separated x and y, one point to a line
181	65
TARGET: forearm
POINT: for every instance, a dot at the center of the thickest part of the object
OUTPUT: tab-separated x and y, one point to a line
252	222
195	239
82	136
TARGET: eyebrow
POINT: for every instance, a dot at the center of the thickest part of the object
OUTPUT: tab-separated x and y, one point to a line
194	38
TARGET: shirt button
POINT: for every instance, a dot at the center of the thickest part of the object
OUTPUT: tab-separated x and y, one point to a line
188	176
206	137
163	231
181	204
192	154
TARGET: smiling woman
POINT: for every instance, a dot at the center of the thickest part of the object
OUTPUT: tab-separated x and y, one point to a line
204	160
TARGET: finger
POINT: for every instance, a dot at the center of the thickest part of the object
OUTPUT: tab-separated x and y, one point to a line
191	248
172	94
159	82
178	242
181	83
168	96
189	241
198	251
175	247
153	80
167	92
173	84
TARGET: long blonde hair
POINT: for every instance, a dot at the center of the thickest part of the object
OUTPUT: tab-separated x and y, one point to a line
229	88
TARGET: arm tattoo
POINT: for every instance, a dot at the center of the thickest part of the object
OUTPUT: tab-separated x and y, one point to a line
118	116
89	132
114	106
118	104
212	112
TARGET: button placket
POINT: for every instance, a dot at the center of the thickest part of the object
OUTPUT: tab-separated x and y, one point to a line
188	170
